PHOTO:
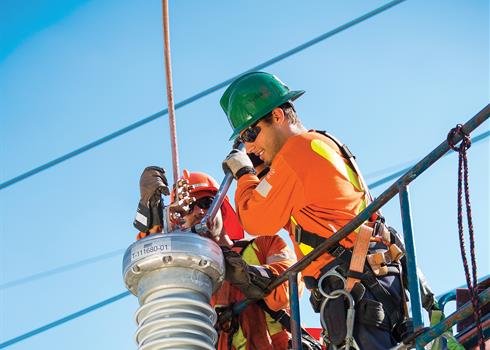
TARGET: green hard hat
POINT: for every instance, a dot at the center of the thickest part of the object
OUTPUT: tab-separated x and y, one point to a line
252	96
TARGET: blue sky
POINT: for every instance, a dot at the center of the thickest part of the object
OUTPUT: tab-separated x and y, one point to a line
73	71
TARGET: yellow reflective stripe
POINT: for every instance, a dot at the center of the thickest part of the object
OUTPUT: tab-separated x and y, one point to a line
305	248
338	162
239	341
249	255
273	326
362	207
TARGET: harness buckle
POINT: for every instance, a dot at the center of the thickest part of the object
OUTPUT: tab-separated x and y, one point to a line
298	231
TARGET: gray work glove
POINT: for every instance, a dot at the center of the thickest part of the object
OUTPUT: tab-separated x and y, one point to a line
251	282
153	184
238	163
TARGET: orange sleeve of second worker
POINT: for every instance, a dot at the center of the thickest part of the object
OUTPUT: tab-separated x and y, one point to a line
265	206
277	257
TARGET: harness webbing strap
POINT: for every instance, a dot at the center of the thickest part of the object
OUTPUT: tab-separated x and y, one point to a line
369	280
284	319
359	253
280	316
351	158
313	240
363	275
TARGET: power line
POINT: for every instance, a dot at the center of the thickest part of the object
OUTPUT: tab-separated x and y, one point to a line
63	320
404	170
199	95
60	269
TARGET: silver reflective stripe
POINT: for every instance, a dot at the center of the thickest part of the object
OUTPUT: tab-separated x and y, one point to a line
166	220
262	270
202	184
141	218
279	257
263	188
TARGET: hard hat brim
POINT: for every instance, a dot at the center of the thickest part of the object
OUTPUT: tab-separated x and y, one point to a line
290	96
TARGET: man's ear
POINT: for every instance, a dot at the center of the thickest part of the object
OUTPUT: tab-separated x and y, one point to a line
278	115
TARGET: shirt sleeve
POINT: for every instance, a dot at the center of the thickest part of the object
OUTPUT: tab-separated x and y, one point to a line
264	207
278	258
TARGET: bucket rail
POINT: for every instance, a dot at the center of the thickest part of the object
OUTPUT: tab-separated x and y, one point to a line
463	312
400	187
450	295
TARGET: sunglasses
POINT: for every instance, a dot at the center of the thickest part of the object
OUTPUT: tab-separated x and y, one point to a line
203	203
250	133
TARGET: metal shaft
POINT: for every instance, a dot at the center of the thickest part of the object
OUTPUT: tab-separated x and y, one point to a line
170	92
207	220
413	278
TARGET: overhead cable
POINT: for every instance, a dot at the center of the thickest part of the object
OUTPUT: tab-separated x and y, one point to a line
63	320
61	269
198	95
404	170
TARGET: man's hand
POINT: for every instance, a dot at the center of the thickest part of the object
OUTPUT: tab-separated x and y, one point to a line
251	280
238	163
214	230
153	184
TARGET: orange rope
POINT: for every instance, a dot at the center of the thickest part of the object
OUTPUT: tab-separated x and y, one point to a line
170	95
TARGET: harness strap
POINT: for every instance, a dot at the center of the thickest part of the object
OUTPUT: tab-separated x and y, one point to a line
227	321
352	160
378	261
354	272
368	279
313	240
280	316
284	319
359	253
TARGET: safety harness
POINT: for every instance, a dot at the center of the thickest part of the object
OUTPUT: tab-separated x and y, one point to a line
280	316
376	245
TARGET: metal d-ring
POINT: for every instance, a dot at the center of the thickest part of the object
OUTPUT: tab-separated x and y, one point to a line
331	273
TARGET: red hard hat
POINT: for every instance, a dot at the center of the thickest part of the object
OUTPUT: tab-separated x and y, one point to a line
204	183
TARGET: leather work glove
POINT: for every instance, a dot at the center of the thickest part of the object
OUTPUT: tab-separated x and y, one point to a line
251	280
153	184
238	163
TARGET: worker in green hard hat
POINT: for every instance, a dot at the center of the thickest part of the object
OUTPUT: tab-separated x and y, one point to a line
314	188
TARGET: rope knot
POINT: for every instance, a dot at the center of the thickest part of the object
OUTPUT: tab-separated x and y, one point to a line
465	139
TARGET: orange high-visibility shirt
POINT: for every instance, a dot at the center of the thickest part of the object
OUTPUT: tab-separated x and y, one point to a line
308	183
257	330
